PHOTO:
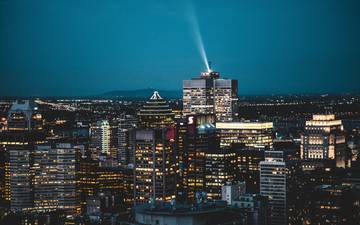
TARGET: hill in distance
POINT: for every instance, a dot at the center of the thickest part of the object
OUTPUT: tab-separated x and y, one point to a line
142	94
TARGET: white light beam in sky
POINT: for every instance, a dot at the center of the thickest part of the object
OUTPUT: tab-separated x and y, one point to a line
197	35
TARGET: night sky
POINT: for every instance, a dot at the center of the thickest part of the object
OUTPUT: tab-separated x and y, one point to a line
73	47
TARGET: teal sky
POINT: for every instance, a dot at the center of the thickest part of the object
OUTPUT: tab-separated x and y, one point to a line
86	47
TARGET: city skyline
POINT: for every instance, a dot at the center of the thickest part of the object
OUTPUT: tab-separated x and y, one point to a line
75	48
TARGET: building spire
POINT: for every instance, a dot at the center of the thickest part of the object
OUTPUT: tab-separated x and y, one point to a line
155	96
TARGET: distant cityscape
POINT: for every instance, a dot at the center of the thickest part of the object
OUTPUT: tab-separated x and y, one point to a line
211	157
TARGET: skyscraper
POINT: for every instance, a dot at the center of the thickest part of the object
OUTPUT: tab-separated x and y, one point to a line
200	138
24	131
273	185
100	138
209	94
126	123
248	166
324	138
220	168
156	113
256	135
154	164
54	181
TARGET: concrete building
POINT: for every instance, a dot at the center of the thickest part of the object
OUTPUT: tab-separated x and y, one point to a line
273	185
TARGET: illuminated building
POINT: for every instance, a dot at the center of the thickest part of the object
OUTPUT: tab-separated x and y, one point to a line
232	191
220	167
24	131
54	179
209	94
334	204
95	181
100	138
156	113
200	138
181	159
248	166
20	175
126	123
253	134
114	142
23	116
324	138
273	185
154	164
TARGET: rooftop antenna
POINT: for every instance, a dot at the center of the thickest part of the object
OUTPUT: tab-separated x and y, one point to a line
209	63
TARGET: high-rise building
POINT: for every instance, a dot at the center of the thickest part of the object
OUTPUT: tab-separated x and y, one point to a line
323	139
248	166
273	185
125	155
23	116
54	180
100	138
252	134
200	138
154	164
156	113
110	182
24	131
20	152
209	94
220	168
334	204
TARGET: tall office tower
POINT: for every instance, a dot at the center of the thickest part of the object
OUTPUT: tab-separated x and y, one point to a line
220	168
126	123
154	164
334	204
324	138
181	159
273	185
87	180
253	134
100	138
114	142
23	116
94	180
200	138
156	113
209	94
248	166
24	131
54	181
4	185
